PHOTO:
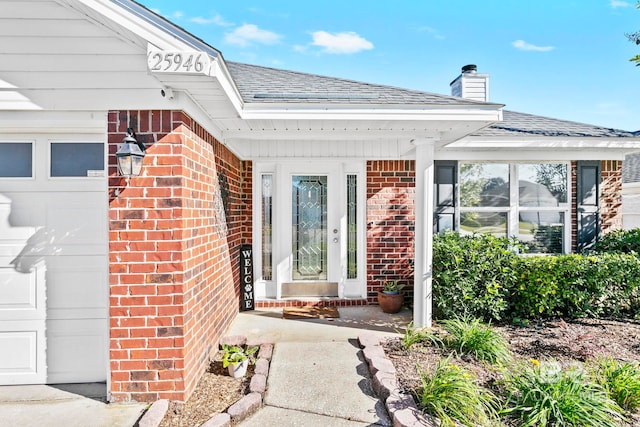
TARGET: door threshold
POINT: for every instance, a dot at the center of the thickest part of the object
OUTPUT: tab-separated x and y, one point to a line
310	301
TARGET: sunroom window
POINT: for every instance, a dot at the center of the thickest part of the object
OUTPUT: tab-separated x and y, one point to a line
528	201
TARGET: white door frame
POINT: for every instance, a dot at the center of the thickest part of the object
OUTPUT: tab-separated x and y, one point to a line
281	175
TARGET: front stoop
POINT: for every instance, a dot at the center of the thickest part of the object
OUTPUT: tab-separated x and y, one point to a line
240	410
401	407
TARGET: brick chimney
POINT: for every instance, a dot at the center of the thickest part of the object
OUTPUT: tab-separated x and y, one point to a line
471	85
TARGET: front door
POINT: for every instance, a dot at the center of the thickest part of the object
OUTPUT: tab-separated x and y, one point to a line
313	231
309	233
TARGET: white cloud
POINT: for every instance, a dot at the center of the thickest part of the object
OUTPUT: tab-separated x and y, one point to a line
340	43
619	3
247	34
217	19
431	31
177	14
523	45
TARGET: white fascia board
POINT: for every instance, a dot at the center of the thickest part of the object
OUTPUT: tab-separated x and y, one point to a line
220	71
625	144
528	155
156	38
132	23
374	112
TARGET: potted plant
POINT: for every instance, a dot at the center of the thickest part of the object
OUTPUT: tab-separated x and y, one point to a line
236	359
389	298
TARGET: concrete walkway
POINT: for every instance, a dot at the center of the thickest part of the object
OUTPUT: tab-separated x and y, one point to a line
72	405
318	376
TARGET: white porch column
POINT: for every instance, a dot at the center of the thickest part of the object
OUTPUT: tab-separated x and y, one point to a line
422	295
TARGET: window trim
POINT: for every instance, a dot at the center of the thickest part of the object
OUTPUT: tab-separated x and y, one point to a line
105	160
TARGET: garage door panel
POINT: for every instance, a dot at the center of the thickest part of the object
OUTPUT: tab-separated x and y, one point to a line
22	295
22	352
77	350
81	286
65	220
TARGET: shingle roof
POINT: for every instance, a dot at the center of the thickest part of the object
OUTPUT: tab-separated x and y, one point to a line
521	124
270	85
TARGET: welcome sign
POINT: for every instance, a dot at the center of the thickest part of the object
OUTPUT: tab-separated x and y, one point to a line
247	297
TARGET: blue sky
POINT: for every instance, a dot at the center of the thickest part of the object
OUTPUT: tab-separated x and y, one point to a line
567	59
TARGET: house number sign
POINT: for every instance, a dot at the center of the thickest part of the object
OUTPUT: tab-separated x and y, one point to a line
160	61
247	296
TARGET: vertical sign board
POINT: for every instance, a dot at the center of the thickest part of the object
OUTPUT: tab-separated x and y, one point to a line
246	278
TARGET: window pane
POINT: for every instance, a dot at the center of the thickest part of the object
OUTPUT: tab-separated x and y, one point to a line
267	227
542	184
445	180
484	222
589	186
444	222
76	159
16	160
352	227
542	231
484	184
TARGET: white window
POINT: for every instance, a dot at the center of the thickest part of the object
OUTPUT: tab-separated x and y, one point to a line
529	201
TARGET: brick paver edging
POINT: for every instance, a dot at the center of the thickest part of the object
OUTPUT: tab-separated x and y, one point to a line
401	407
240	410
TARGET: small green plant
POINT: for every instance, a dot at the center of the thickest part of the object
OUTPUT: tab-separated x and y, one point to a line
414	335
542	394
451	395
233	355
471	336
620	379
392	287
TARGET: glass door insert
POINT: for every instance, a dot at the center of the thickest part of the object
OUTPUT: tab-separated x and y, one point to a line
309	227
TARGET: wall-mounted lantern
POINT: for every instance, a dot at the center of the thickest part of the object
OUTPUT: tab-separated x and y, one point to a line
130	155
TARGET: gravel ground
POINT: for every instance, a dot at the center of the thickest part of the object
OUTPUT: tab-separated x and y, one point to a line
568	342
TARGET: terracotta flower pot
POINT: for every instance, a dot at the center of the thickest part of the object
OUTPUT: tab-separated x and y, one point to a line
390	303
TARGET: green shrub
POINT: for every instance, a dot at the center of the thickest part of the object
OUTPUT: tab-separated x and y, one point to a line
482	276
472	275
621	380
619	241
451	395
545	395
470	336
576	285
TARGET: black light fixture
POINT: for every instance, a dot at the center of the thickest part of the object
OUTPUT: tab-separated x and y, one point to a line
130	155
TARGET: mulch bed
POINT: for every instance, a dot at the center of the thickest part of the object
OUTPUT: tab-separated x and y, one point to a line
568	342
215	392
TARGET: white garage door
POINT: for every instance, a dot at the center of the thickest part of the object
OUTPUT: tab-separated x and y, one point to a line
57	189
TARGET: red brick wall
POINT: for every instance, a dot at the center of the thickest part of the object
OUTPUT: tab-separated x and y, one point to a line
611	195
610	198
175	232
390	224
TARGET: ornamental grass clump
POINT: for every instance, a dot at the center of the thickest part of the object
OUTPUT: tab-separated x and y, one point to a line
620	379
451	395
471	336
542	394
413	335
